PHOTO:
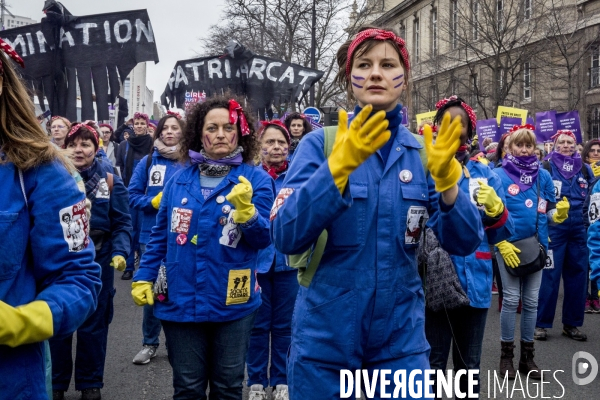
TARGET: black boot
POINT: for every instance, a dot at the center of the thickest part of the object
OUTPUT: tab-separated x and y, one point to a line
91	394
526	363
506	360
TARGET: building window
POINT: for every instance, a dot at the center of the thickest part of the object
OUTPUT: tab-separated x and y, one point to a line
415	101
454	23
434	32
527	9
474	89
594	121
454	87
526	81
500	14
416	39
475	16
433	96
595	69
402	30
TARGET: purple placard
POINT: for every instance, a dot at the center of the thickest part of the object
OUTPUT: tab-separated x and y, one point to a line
486	128
530	121
570	120
545	125
404	113
506	124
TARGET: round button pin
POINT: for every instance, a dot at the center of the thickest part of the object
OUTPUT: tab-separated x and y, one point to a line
220	199
223	221
405	176
226	209
181	239
514	189
529	203
184	201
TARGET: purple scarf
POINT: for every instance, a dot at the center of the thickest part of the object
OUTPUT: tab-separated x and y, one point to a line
522	170
199	158
568	166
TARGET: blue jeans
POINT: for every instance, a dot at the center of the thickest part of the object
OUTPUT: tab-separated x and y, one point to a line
205	352
466	325
527	288
274	322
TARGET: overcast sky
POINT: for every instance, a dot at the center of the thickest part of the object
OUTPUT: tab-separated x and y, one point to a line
177	25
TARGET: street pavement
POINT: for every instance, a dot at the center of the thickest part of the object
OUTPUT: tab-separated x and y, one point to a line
125	381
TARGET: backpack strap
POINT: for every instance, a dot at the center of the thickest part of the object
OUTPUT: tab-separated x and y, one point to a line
149	161
110	181
586	172
329	138
422	152
546	166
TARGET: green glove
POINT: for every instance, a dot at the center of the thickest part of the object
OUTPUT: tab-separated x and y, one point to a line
156	200
30	323
509	253
241	198
562	211
354	144
118	263
490	200
441	163
142	293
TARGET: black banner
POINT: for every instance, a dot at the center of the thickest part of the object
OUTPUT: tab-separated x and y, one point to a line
96	51
262	80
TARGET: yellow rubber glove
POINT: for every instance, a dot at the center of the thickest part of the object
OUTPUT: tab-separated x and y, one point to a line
443	166
354	144
156	200
483	160
595	169
490	200
118	263
142	293
562	211
509	253
30	323
241	198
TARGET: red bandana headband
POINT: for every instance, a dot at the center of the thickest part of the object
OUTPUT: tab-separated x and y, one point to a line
174	114
278	123
106	126
563	132
236	112
377	34
5	47
465	106
76	127
517	127
63	119
139	115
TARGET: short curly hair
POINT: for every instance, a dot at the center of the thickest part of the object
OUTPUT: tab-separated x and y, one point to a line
192	135
305	123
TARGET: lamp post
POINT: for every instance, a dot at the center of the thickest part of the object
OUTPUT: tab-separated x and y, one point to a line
313	46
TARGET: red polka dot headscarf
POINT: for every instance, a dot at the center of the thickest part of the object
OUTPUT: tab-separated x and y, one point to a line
5	47
377	34
465	106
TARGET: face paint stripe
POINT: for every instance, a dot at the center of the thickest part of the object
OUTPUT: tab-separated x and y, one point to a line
358	78
398	77
358	86
398	85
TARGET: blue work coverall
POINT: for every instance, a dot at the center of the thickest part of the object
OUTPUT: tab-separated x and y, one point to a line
365	305
273	323
570	253
110	229
46	255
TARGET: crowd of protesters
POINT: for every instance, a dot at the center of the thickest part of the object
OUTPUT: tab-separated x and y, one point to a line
261	245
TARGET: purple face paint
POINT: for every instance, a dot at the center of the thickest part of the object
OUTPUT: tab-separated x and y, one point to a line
206	141
233	138
398	77
360	78
398	85
285	150
356	85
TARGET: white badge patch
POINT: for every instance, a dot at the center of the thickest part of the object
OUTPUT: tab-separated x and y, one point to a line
103	191
231	233
474	190
557	189
75	226
181	218
279	200
415	221
157	175
594	213
549	260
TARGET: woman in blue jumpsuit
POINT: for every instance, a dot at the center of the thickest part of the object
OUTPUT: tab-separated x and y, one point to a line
593	236
463	327
110	230
145	191
211	224
49	282
279	286
521	177
298	126
365	306
568	248
591	156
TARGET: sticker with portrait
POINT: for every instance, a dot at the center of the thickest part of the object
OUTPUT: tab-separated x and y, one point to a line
157	175
594	210
415	221
181	218
474	188
75	226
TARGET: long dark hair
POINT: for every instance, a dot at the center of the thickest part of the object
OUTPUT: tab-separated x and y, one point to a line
585	153
305	123
192	135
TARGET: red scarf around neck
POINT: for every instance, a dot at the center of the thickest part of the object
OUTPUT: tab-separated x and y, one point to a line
275	172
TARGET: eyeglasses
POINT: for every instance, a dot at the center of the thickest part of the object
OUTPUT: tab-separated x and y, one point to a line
59	127
594	150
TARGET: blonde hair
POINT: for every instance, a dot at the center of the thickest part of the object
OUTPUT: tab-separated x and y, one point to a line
522	135
22	138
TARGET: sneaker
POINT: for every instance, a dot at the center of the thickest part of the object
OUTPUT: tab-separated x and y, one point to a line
588	307
595	306
494	288
127	275
58	395
144	356
91	394
281	393
540	334
574	333
136	260
257	392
